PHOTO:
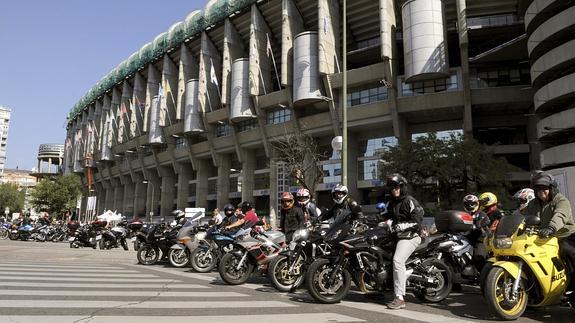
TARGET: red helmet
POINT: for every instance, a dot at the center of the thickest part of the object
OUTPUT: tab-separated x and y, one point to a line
287	200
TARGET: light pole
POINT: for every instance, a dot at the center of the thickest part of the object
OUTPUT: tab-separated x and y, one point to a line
151	213
344	125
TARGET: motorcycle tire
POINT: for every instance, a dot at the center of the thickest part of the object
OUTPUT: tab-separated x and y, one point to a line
103	244
278	272
13	236
318	286
203	260
230	274
179	258
442	273
496	298
4	234
148	255
124	244
41	237
483	277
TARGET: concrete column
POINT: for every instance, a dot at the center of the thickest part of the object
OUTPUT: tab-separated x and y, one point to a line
292	24
168	191
224	180
101	198
353	149
109	201
184	176
202	184
463	44
118	196
274	212
248	167
140	191
39	170
128	203
49	165
260	63
153	192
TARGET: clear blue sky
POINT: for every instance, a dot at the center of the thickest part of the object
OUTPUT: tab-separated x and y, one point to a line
53	52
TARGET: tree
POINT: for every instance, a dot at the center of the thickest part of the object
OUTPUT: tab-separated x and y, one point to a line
11	197
57	196
300	153
446	164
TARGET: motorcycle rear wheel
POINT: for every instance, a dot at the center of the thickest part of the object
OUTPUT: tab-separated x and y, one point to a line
203	260
442	273
278	272
148	255
497	294
229	272
4	234
321	287
179	258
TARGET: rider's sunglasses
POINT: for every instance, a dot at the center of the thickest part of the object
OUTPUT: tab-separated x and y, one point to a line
287	201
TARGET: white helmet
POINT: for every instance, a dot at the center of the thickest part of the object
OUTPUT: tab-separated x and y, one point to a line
524	196
339	193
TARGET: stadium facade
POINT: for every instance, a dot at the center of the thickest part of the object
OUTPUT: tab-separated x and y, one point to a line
190	119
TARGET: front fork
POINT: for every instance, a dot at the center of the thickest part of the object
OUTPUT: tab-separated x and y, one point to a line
242	261
515	289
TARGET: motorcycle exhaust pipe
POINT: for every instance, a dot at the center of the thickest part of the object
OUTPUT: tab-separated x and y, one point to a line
421	279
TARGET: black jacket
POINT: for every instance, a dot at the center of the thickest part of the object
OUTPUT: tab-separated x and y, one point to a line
405	209
349	206
292	219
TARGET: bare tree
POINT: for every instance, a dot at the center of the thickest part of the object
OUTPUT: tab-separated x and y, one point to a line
301	155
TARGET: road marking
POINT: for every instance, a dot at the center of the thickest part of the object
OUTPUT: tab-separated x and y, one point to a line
14	292
76	274
283	318
173	285
86	279
188	274
418	316
2	268
153	304
87	266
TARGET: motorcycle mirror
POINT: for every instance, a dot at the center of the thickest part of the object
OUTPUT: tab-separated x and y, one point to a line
532	220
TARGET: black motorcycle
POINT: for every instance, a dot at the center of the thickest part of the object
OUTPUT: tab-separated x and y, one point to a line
84	236
115	237
155	242
366	257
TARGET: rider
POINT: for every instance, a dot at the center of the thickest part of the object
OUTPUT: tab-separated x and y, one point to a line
291	218
179	217
311	211
217	217
229	215
407	216
554	210
488	204
247	218
523	197
480	229
343	203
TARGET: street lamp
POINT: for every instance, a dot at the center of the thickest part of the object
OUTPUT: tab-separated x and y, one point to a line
151	213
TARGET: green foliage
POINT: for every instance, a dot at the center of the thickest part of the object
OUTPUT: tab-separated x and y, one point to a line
57	196
444	165
11	197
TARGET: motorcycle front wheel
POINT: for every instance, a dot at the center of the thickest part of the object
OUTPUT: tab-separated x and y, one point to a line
179	257
278	272
322	287
4	234
499	297
203	260
124	244
229	271
148	255
441	274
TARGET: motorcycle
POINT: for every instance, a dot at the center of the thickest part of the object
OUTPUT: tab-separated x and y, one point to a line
115	237
155	242
189	237
250	253
287	270
366	256
5	230
134	227
210	249
39	233
526	269
85	236
23	232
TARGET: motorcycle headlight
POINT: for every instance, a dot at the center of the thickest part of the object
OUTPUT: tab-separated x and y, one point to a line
300	235
502	243
201	235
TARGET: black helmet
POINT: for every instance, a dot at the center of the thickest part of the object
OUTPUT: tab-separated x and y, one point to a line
179	216
245	206
229	210
543	179
396	180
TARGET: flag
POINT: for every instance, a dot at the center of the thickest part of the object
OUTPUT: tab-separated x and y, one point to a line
213	77
268	46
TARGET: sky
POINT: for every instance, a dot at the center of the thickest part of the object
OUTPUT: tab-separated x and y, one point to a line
53	52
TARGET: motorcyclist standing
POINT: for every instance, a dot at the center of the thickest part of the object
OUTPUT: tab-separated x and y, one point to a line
488	204
344	206
292	218
407	215
480	229
554	211
311	211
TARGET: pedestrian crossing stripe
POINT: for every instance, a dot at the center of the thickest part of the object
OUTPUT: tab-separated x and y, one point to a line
128	293
65	270
76	274
86	279
4	303
98	285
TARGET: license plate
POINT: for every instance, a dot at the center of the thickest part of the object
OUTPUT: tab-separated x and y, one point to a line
133	239
292	245
71	239
99	237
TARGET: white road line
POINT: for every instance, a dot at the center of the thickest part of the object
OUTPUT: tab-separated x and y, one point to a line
284	318
2	268
76	274
14	292
205	277
87	266
418	316
173	285
86	279
127	304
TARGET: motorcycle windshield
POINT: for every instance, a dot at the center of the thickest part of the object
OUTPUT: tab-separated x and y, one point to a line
185	230
508	225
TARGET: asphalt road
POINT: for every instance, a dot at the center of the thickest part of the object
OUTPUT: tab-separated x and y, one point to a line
49	282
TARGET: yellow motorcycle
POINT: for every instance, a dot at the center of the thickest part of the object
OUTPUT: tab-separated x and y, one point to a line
525	269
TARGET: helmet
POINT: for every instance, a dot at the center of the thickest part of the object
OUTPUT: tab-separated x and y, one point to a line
179	216
471	203
287	200
245	206
543	179
523	197
302	196
339	193
381	208
229	210
396	180
487	200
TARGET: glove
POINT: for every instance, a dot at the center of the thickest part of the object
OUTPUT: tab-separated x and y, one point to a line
403	226
546	232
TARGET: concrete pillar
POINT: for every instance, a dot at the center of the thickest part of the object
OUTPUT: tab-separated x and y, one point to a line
248	167
128	203
292	24
224	180
118	196
168	191
463	50
140	191
260	68
109	200
353	151
202	182
101	198
152	194
184	176
49	165
274	212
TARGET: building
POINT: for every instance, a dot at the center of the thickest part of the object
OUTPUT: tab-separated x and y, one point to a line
50	161
4	127
24	180
189	119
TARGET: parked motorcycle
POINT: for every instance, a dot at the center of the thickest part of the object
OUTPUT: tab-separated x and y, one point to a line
210	249
526	269
250	253
23	232
115	237
85	236
155	242
5	230
189	237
